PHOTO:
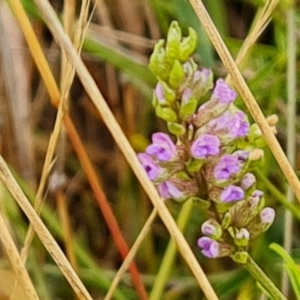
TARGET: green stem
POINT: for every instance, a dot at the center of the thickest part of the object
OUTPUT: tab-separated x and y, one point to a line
263	279
170	254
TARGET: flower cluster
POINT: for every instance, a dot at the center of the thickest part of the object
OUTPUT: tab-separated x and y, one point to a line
212	151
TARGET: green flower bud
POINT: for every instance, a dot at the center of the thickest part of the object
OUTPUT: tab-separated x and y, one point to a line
173	42
226	220
240	257
169	93
158	64
188	45
188	104
240	236
166	113
176	74
176	129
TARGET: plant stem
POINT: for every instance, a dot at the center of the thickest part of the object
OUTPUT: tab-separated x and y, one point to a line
263	279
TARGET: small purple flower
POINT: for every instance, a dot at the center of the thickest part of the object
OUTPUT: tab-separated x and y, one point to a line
247	181
267	215
159	93
168	189
186	95
205	145
162	147
223	92
228	165
210	248
237	125
151	168
232	193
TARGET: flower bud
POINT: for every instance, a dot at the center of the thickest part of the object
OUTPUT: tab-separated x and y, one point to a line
173	42
241	237
157	63
212	229
256	154
240	257
166	113
248	181
188	104
176	129
267	216
176	74
188	45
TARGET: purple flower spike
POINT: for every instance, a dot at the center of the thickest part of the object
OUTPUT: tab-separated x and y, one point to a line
163	147
228	165
159	93
237	125
168	190
210	248
205	145
247	181
151	168
223	92
267	215
232	193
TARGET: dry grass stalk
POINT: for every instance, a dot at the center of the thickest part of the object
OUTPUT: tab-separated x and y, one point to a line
42	231
245	93
91	88
131	254
18	266
261	20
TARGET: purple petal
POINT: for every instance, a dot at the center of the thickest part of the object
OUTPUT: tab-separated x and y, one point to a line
232	193
163	147
151	168
168	190
210	248
205	145
223	92
228	165
221	122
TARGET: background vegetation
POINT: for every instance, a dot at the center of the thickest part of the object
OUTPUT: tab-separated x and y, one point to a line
117	38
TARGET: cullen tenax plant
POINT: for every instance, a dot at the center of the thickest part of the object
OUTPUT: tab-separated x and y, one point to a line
207	154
